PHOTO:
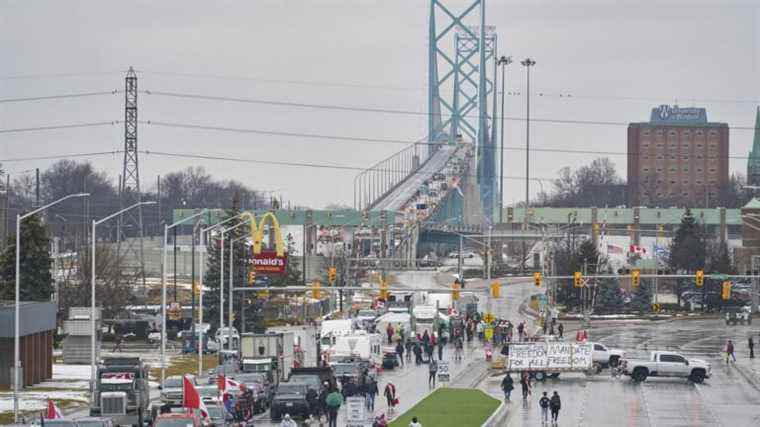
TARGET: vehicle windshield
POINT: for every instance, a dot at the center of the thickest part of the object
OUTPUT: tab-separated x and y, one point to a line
251	378
173	382
345	370
366	313
309	380
173	422
291	389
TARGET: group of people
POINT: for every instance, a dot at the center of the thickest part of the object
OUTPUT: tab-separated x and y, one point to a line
547	404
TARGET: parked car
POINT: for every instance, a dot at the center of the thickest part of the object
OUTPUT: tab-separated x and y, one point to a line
171	389
184	419
219	416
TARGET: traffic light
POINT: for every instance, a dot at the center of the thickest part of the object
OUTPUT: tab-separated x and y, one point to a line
316	290
726	291
577	279
455	287
332	272
635	278
495	289
537	278
384	294
251	277
700	278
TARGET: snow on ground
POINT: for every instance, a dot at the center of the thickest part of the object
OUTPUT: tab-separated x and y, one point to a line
34	401
63	372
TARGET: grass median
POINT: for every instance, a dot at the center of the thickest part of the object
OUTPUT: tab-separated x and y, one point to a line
450	407
185	364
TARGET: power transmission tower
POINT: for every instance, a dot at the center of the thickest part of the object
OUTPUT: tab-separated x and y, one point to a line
130	238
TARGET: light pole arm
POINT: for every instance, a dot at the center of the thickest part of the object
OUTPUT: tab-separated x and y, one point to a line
184	220
42	208
115	214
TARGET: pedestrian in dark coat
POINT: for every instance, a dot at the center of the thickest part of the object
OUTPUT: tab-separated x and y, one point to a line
507	384
751	345
554	405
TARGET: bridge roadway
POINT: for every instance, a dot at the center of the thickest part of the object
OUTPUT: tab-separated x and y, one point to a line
399	196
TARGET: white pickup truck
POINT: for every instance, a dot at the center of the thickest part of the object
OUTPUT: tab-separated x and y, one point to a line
667	364
605	357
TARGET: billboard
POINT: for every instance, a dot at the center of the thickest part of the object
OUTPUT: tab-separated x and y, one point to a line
269	262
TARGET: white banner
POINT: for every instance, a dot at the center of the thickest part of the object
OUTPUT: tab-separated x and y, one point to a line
552	355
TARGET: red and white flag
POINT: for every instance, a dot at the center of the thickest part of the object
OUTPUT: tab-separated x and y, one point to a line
191	399
226	384
636	249
53	413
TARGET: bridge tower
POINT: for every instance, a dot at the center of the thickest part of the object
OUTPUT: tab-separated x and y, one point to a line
470	79
130	225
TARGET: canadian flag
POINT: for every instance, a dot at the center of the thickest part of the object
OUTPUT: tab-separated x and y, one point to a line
636	249
225	384
191	399
53	413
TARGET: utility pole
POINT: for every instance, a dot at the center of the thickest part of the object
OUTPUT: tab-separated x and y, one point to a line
503	61
527	63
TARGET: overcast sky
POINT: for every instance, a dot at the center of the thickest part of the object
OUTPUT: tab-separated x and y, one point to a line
617	60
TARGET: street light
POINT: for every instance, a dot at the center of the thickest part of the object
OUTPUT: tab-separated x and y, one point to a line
221	283
163	290
200	284
17	318
92	292
527	63
503	61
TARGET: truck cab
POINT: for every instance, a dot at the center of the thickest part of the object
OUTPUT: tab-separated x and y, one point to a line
122	392
605	357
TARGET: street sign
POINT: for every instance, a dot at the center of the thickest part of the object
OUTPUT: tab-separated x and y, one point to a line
355	413
443	372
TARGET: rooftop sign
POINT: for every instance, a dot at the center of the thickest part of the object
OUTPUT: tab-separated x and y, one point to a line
670	114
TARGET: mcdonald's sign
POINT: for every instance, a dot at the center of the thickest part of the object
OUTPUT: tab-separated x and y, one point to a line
268	261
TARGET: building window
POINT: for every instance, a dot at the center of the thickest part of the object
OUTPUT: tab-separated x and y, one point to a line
659	157
659	194
672	168
658	133
685	182
672	133
713	133
672	157
673	181
660	145
659	170
699	182
699	146
646	132
686	133
712	170
699	133
686	169
645	170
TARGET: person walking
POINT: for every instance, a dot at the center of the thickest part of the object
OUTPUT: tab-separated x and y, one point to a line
441	343
525	383
730	351
751	345
389	331
555	403
390	397
334	401
400	352
561	330
520	331
370	391
415	423
507	384
409	346
458	348
544	404
417	354
432	371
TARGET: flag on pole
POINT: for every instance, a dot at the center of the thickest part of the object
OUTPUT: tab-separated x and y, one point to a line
191	399
226	384
53	413
636	249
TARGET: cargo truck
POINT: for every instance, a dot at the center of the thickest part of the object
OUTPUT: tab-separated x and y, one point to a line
270	353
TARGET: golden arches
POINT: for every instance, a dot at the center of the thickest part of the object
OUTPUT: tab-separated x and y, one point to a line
279	243
252	219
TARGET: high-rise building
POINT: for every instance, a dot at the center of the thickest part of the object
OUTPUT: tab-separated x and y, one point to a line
753	163
677	158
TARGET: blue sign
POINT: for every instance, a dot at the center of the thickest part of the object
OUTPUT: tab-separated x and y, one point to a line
670	114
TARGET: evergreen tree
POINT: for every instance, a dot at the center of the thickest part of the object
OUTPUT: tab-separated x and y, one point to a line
292	274
719	260
36	280
641	298
687	251
608	300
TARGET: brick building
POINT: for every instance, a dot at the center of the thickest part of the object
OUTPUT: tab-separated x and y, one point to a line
677	158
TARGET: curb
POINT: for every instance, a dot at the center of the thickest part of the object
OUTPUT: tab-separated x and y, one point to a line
498	417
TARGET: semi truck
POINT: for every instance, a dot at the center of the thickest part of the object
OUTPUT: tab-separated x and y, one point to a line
270	353
122	392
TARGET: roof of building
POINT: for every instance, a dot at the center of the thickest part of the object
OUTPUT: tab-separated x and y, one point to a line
34	317
647	216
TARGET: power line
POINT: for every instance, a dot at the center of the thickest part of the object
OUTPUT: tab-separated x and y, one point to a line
64	126
381	110
378	141
314	165
60	156
58	75
62	96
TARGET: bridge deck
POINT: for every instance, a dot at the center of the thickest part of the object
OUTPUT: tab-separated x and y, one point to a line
399	196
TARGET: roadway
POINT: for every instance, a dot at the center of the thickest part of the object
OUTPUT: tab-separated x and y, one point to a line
400	195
